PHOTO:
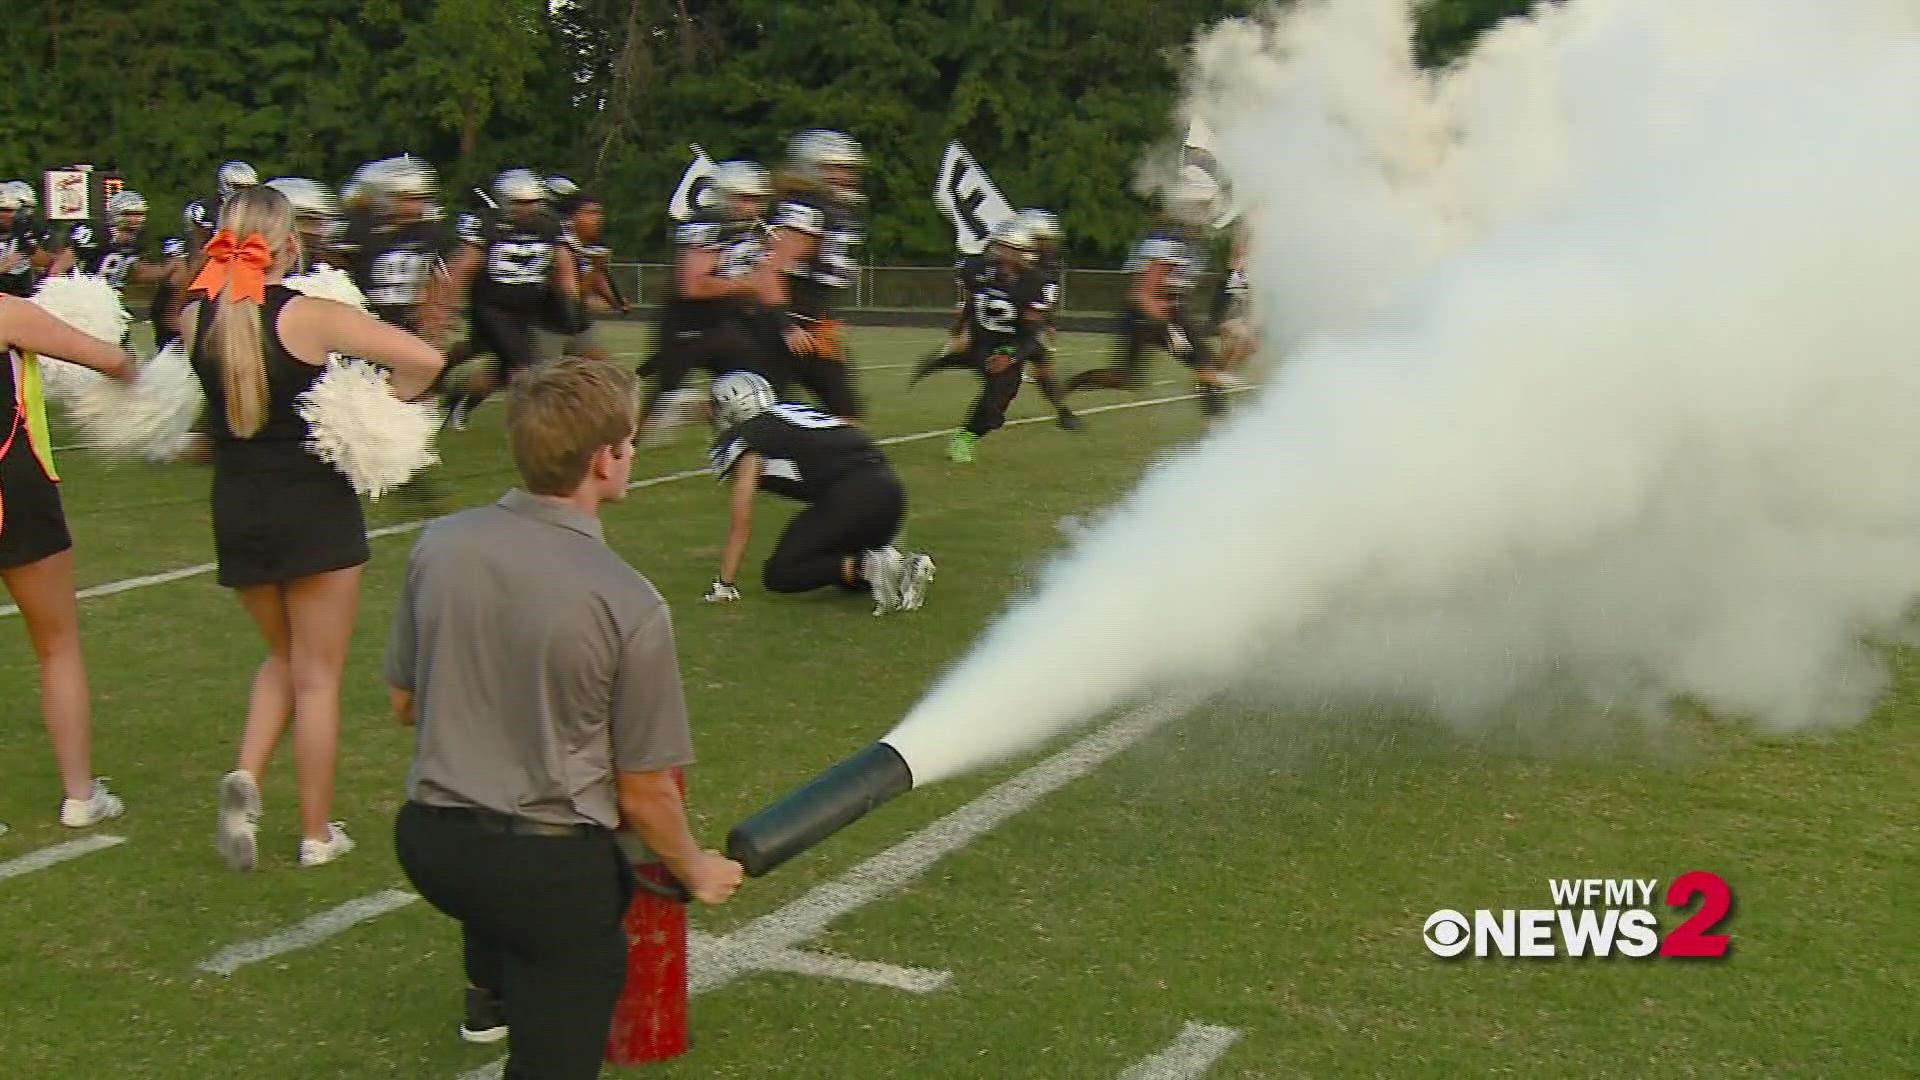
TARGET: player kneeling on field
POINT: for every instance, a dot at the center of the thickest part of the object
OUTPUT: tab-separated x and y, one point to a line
855	503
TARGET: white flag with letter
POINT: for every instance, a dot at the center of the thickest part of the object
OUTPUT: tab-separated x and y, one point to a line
1198	150
967	196
688	198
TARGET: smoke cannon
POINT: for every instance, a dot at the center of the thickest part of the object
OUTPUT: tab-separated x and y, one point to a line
828	803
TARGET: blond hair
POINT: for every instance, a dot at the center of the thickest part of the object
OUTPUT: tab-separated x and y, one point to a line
235	332
558	414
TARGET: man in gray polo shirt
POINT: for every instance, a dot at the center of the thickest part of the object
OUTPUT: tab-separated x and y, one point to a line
541	673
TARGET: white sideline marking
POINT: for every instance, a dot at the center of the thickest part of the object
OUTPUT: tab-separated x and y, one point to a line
768	942
166	577
57	854
829	966
1191	1055
309	932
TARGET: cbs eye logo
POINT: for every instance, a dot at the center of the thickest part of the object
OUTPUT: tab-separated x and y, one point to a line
1447	932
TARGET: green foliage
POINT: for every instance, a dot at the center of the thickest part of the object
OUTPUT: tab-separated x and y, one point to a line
1058	100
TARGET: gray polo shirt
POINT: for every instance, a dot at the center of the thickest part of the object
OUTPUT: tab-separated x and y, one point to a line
540	663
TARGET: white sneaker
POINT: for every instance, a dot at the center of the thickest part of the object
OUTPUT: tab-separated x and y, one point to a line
881	568
916	573
238	820
92	810
322	852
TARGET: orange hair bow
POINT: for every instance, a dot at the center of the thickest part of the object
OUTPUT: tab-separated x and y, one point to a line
236	264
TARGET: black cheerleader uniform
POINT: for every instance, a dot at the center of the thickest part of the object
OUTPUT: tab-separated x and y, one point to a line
32	524
279	513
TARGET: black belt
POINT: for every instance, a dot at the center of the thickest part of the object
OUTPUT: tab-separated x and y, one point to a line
508	825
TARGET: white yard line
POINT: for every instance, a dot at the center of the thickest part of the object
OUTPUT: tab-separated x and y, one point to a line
307	933
57	854
769	942
829	966
1197	1049
166	577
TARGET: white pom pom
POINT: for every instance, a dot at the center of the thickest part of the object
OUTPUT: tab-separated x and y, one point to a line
87	303
376	440
90	305
328	283
147	419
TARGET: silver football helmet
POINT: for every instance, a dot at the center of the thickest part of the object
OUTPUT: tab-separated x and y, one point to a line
1041	225
739	396
812	153
233	176
10	198
518	185
742	180
125	201
310	198
1015	236
560	187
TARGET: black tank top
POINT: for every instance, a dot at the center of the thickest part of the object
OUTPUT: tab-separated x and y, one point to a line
280	444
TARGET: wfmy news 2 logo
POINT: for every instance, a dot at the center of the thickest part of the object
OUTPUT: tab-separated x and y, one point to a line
1594	917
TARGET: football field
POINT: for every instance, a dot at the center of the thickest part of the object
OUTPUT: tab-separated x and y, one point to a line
1181	889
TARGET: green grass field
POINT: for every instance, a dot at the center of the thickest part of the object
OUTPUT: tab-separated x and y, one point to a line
1262	872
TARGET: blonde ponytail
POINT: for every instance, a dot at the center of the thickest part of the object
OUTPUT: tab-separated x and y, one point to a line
235	333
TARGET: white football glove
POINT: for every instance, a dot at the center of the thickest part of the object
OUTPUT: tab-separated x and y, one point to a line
721	592
1177	338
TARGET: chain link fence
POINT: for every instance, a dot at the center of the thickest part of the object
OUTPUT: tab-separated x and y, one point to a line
906	288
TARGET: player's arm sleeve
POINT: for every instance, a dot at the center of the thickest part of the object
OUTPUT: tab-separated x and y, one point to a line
649	707
800	217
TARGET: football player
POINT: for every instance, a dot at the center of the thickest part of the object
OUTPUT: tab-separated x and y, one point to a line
512	267
1006	311
201	214
1233	316
816	228
1165	268
1045	230
316	216
855	503
583	227
394	240
718	316
20	243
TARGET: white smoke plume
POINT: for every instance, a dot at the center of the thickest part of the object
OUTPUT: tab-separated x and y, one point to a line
1597	365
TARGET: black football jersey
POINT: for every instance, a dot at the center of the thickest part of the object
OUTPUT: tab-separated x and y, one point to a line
803	452
392	264
816	283
97	250
739	247
998	299
585	255
519	258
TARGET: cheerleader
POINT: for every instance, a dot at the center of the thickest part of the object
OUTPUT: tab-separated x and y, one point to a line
289	536
36	553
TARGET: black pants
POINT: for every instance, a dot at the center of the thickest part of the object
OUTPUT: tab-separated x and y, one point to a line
540	919
825	373
1138	334
997	390
717	349
861	511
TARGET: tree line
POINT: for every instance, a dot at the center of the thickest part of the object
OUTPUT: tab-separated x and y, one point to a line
1057	99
